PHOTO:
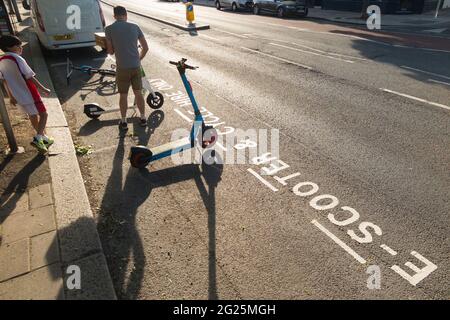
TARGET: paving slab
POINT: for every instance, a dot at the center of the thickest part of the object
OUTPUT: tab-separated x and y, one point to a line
27	224
43	284
41	196
44	250
14	259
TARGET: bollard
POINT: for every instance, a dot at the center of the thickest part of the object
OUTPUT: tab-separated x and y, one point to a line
13	148
190	17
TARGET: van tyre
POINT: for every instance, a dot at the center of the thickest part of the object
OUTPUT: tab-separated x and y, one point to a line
256	10
234	7
218	6
280	13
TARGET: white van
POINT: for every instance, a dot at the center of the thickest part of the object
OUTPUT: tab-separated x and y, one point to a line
58	27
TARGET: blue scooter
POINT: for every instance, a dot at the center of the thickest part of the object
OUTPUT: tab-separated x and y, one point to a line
141	156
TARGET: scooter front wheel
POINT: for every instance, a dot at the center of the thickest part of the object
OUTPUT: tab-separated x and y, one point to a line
155	101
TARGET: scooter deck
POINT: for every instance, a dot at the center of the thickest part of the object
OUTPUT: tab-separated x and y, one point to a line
170	148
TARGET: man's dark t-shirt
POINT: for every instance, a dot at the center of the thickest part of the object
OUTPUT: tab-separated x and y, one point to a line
124	38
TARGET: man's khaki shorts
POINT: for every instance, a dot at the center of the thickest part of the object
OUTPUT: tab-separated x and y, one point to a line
127	77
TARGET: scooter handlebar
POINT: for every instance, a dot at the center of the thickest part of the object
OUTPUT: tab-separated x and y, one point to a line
182	63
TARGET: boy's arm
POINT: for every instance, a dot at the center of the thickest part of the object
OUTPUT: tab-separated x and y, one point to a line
40	85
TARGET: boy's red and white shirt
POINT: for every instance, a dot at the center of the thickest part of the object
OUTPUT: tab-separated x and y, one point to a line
17	73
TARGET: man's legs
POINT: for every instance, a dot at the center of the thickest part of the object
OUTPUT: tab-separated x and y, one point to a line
140	102
123	103
123	81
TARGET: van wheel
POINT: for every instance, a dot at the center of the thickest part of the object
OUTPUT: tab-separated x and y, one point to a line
280	13
234	7
218	6
256	10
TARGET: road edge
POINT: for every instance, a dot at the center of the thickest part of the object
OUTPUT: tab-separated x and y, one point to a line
78	237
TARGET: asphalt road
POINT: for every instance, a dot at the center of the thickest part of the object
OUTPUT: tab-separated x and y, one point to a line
360	179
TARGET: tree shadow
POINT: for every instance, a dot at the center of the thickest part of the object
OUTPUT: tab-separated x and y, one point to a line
18	185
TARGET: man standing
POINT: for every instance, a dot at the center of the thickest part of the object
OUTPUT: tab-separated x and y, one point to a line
122	40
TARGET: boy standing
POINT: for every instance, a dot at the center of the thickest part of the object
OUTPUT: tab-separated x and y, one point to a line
22	85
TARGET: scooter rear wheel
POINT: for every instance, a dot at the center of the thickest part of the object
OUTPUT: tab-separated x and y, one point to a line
155	102
138	160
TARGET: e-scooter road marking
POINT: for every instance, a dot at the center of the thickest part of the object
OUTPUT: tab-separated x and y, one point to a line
339	242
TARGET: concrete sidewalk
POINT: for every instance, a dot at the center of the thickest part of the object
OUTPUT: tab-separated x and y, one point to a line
49	228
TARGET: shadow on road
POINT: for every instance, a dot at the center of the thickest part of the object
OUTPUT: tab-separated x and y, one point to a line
123	197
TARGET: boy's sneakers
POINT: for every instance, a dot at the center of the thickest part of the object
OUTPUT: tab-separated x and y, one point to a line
123	126
49	141
39	145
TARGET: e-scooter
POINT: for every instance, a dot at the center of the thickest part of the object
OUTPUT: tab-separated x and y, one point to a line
93	110
141	156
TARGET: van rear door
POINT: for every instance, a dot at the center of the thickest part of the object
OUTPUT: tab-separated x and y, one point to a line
56	14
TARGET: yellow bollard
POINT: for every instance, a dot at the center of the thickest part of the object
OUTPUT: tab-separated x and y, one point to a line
190	17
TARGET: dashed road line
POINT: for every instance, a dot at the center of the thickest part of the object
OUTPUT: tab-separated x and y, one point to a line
271	187
234	34
417	99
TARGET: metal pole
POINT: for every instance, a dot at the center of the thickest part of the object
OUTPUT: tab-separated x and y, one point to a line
7	125
437	8
16	9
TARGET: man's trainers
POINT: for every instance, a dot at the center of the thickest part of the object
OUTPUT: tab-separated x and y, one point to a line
40	145
48	141
143	122
123	126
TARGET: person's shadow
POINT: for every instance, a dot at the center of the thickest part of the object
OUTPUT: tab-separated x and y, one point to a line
117	216
18	185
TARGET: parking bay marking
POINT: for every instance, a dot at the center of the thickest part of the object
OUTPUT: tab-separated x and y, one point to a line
416	99
278	58
439	82
310	52
426	72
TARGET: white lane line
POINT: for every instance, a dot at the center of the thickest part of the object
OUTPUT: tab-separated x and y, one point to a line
389	250
264	181
310	52
426	72
221	146
208	37
182	115
349	250
325	52
234	34
440	82
278	58
60	64
416	99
